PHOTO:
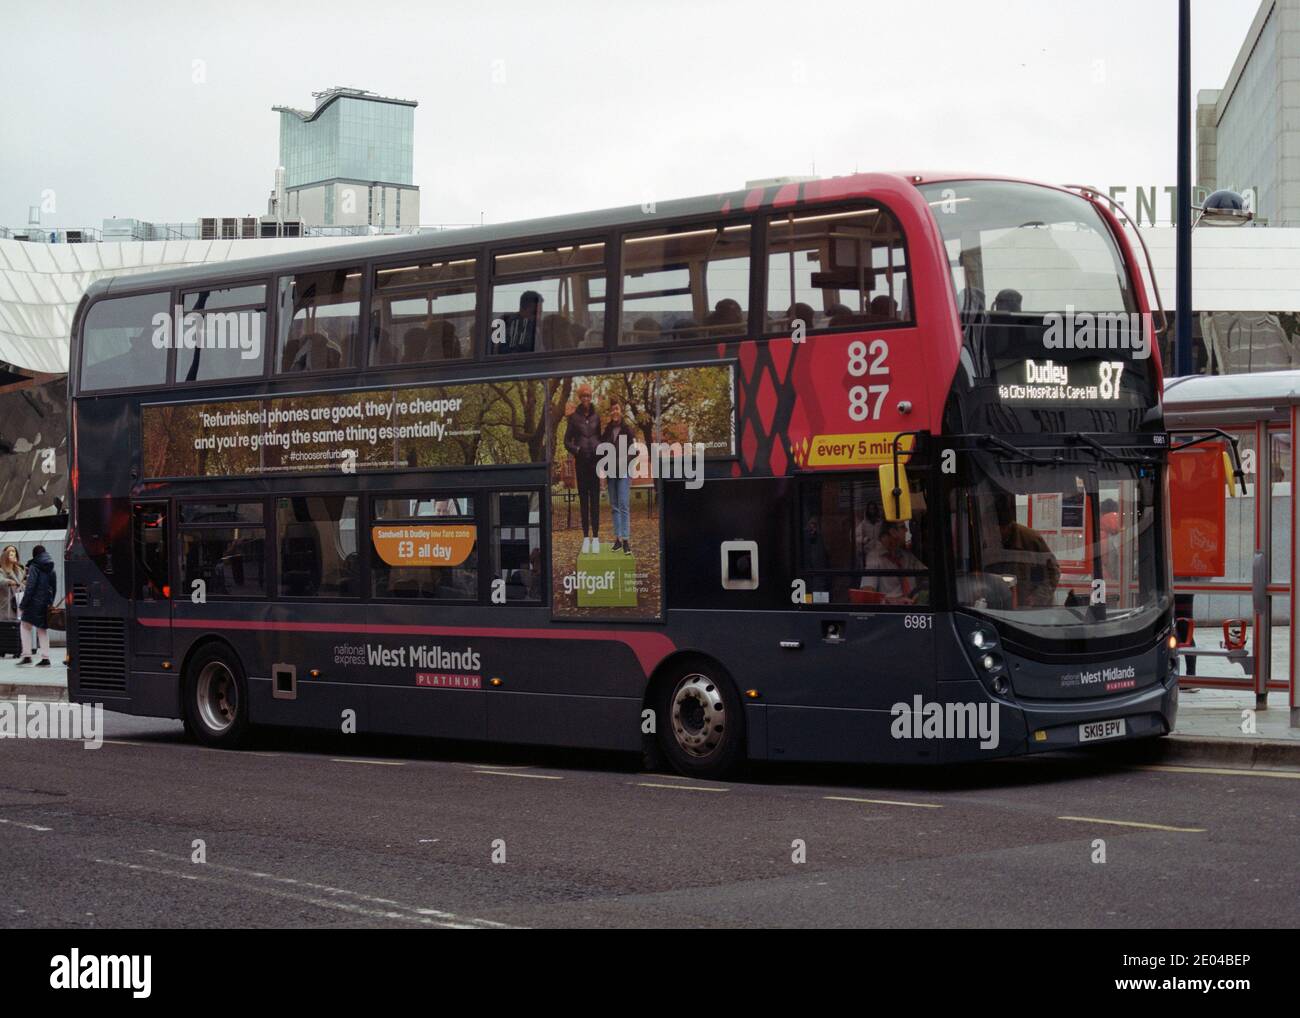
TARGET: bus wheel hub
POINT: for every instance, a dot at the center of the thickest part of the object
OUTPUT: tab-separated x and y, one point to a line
217	697
698	715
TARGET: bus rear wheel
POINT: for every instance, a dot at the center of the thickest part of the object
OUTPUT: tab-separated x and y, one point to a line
216	698
702	722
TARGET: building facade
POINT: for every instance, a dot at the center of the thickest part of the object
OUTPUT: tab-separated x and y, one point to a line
1248	131
348	162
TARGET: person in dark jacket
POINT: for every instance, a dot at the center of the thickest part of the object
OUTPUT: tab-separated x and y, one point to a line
620	436
38	596
581	439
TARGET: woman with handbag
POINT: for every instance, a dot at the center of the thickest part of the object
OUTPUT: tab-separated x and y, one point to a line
38	596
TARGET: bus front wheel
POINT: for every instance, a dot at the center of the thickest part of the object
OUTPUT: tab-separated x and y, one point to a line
702	722
216	698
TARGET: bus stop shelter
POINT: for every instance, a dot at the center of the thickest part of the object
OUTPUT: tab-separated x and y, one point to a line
1259	570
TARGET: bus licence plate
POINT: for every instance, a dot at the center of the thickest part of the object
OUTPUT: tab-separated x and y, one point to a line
1095	730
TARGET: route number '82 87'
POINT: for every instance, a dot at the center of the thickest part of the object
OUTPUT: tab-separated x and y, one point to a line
865	401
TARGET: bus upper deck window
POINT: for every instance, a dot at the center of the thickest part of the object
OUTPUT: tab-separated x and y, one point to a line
423	313
233	326
319	318
834	270
548	299
118	343
686	284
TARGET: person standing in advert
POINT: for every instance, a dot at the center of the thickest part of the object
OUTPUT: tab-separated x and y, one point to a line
581	439
620	436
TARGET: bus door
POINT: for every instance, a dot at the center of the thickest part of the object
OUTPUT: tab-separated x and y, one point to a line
150	581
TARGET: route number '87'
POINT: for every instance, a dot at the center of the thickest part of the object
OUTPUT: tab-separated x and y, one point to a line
865	401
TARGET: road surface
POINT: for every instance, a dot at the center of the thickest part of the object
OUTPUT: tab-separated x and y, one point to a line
321	830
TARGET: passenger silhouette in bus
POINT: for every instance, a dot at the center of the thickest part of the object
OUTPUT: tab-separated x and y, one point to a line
521	327
644	330
884	309
726	317
1025	555
417	345
444	336
1008	301
892	554
841	314
800	314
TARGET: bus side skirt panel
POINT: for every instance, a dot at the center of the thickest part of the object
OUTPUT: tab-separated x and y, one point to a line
155	694
582	722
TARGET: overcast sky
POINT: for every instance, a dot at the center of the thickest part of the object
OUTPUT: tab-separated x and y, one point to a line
530	109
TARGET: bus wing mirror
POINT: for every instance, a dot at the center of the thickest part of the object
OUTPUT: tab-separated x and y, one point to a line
895	495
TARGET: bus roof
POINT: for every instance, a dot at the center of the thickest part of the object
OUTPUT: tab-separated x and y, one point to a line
774	196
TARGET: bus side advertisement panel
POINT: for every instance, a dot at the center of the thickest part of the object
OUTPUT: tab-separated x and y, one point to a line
615	436
425	427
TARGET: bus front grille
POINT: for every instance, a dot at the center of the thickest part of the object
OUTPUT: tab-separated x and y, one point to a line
101	655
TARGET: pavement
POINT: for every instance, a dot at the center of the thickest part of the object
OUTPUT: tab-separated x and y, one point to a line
34	682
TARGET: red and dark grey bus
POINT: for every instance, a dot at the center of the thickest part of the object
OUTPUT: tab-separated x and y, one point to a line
889	482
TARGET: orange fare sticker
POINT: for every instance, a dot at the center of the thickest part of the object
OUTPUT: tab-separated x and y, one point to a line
423	546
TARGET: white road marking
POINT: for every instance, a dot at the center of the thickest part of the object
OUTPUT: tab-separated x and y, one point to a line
1135	823
187	746
378	763
30	827
513	767
321	895
884	802
683	788
333	890
513	774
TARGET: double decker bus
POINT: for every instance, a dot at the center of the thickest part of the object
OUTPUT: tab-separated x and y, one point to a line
861	469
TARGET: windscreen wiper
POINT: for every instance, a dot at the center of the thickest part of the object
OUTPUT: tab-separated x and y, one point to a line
1104	453
1024	455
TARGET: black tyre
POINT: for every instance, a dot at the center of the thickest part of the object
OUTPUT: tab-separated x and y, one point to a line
216	698
700	724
